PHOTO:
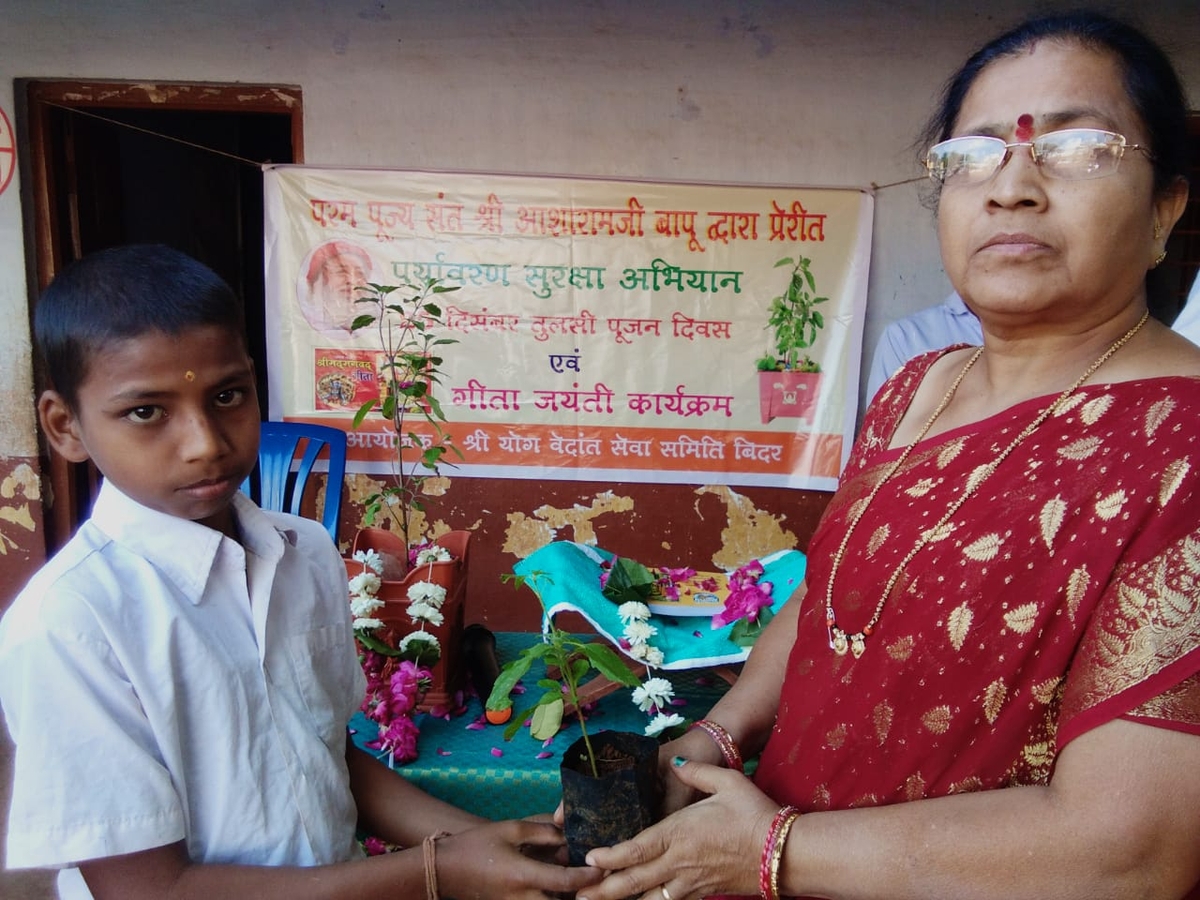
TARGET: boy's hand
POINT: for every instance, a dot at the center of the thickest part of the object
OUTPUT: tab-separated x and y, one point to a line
507	860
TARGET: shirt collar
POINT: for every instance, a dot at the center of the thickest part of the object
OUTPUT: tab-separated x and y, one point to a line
184	551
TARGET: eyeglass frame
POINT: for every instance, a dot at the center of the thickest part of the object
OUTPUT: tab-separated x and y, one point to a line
1007	155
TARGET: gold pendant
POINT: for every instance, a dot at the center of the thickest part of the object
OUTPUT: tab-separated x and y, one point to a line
858	644
840	643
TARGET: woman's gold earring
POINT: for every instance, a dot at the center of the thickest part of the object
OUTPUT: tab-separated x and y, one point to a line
1157	231
1159	259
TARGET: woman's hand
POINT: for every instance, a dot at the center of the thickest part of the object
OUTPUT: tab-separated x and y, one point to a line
694	746
507	860
712	846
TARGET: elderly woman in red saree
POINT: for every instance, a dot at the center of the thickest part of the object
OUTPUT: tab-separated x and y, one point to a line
988	686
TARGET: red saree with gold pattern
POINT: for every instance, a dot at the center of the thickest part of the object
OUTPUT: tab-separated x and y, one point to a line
1063	594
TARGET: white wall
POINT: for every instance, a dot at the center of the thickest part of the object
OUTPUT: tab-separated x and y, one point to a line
819	93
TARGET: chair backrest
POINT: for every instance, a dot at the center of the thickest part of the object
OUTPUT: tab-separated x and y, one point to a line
274	485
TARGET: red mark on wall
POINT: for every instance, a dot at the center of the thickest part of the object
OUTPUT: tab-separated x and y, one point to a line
8	151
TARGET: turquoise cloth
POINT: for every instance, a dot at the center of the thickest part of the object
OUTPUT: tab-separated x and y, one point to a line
468	763
571	581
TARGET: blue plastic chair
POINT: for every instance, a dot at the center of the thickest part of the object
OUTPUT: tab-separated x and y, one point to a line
279	480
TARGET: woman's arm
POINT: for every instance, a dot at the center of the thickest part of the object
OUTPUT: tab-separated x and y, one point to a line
746	711
1121	818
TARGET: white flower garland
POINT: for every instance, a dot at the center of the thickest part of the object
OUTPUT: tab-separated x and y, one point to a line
424	608
656	694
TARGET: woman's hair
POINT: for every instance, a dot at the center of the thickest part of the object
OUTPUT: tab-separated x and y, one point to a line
1150	81
121	293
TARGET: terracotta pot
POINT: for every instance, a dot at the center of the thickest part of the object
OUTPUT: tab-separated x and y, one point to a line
624	800
452	575
788	395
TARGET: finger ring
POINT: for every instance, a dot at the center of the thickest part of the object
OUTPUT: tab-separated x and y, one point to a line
666	894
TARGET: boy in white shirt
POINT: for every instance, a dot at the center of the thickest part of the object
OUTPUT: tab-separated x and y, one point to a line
178	678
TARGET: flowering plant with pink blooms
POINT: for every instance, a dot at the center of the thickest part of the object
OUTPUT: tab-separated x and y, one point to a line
748	605
394	688
397	676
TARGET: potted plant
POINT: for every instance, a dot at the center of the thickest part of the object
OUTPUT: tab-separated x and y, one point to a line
789	379
415	566
610	788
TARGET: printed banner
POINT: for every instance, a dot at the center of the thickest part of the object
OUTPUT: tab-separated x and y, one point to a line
606	330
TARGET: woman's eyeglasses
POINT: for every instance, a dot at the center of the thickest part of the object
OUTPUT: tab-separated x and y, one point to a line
1073	154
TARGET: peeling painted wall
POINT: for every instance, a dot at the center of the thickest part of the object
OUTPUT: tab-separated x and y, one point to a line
21	544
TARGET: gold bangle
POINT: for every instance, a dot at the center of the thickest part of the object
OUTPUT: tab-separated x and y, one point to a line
429	852
777	850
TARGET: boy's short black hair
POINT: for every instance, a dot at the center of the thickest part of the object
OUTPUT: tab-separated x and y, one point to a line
120	293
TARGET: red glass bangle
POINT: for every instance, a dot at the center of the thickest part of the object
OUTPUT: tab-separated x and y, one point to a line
772	852
725	743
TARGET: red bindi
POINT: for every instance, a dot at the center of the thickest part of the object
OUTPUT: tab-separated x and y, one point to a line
1024	127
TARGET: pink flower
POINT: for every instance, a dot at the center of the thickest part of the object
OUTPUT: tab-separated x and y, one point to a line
682	574
747	596
399	739
374	846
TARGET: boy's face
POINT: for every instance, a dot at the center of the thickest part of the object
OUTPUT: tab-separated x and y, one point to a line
171	421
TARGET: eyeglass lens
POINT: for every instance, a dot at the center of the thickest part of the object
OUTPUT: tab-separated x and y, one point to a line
1073	153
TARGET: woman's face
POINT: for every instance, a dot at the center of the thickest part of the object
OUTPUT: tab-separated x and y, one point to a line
1023	244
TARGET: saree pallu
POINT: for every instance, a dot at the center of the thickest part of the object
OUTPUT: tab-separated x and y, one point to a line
1064	593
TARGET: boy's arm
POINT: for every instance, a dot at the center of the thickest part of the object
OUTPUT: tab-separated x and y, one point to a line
394	810
482	858
480	862
166	873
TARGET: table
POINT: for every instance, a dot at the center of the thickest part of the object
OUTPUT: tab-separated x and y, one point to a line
467	762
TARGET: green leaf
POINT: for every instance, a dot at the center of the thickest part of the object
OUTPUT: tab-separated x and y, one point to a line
512	672
610	664
786	261
362	412
362	321
373	643
515	725
547	719
579	668
628	580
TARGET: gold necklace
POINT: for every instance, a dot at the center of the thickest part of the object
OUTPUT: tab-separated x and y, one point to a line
841	642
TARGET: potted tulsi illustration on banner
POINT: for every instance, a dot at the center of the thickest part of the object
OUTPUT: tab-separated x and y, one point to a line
789	379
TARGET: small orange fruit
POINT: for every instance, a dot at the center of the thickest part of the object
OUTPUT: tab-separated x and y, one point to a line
499	716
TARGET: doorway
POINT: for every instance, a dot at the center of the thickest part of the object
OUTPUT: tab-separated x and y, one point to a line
122	162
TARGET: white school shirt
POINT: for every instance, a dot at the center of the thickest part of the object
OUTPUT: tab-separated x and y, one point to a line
161	683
